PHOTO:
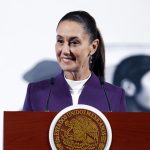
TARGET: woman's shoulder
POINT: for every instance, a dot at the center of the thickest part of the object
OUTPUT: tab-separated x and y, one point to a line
40	84
47	82
112	87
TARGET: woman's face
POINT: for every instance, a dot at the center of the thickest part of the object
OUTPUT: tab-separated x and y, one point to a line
73	48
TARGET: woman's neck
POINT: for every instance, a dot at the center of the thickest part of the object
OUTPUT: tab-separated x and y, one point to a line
77	75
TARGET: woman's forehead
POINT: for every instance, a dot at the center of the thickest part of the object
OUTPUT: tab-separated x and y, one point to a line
70	28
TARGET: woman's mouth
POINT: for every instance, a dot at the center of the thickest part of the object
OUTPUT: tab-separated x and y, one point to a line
67	59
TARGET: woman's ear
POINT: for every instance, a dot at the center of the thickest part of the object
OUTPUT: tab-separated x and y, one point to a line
129	87
94	46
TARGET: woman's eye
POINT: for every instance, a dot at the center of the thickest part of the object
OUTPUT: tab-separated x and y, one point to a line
74	43
60	41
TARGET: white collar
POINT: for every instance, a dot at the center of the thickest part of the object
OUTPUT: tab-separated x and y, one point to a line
76	85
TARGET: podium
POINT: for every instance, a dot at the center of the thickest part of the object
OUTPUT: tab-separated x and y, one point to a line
30	130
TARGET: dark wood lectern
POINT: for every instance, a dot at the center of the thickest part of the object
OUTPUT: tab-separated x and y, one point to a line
30	130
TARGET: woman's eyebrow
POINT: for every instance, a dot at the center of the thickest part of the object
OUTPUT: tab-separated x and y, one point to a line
69	38
59	36
73	38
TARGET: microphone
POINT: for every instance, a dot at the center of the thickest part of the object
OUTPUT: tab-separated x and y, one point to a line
104	89
49	94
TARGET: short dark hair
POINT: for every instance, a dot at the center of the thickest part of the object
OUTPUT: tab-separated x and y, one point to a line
132	68
89	25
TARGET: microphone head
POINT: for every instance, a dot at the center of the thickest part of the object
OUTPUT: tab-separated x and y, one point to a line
52	81
101	80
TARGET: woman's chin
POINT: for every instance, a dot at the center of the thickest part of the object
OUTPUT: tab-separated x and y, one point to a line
68	68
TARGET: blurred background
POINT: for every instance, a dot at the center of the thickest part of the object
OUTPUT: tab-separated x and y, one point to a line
27	39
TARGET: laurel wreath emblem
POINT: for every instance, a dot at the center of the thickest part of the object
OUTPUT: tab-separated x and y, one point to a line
80	130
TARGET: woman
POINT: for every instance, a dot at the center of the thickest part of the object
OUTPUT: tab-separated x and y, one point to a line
81	56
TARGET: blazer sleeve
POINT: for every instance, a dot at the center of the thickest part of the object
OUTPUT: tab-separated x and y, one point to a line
27	103
123	107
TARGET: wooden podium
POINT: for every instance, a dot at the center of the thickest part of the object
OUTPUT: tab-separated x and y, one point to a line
30	130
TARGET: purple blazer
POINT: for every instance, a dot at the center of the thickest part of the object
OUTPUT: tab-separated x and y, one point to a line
56	96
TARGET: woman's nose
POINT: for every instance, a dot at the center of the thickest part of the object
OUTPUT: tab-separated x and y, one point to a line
66	49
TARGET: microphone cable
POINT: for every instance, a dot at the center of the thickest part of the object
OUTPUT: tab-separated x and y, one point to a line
106	95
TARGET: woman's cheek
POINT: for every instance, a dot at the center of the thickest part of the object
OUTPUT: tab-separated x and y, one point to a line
58	52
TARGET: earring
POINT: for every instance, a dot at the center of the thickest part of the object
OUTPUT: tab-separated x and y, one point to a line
91	59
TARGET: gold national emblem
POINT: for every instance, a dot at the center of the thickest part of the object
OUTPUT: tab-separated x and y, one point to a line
80	129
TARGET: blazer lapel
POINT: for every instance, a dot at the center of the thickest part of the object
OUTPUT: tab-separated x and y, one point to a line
93	94
60	95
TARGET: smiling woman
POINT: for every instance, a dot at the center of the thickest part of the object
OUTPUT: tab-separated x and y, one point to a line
81	55
73	50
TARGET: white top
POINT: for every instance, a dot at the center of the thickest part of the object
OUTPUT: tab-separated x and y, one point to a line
76	88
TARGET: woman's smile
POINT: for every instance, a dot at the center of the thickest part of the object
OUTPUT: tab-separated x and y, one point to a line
67	60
